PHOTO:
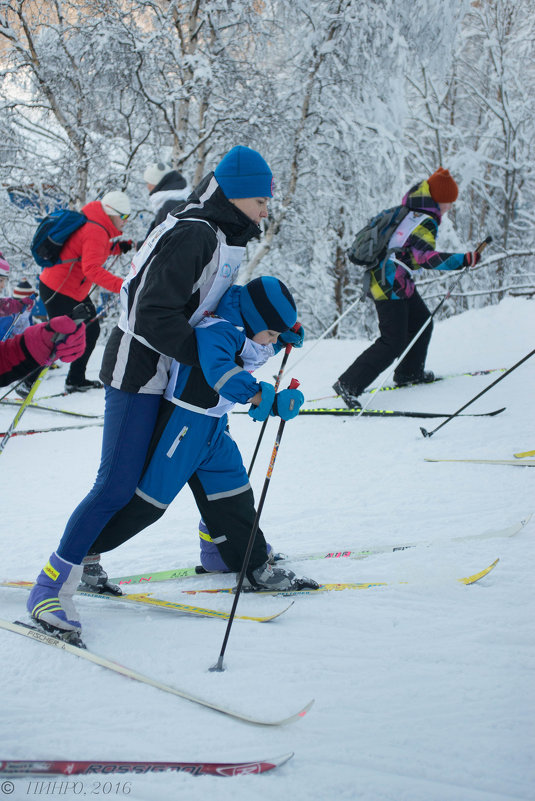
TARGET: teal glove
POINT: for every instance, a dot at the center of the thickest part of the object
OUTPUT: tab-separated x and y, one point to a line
287	403
261	412
293	338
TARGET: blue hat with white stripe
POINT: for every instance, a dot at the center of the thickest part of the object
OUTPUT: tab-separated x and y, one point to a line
267	304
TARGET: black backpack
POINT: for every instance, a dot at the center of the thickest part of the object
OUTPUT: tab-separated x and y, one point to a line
370	245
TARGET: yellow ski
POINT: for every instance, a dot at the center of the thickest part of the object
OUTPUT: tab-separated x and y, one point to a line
160	603
524	463
364	585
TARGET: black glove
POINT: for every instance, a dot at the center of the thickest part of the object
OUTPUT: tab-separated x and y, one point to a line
125	245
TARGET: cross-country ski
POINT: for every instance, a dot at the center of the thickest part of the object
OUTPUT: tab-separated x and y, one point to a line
516	463
363	585
37	635
40	767
390	387
148	600
361	552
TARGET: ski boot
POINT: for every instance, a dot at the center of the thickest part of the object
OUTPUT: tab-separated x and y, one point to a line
423	377
23	389
94	577
82	386
348	396
277	579
50	602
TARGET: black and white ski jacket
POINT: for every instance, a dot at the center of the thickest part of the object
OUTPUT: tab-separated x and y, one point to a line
178	276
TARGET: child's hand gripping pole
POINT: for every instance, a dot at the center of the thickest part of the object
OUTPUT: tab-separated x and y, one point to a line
287	350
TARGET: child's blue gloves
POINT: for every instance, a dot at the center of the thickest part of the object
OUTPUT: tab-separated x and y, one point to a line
285	404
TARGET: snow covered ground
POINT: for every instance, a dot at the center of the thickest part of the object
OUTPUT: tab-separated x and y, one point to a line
424	689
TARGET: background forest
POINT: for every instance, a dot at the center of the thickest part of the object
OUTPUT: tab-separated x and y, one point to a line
350	101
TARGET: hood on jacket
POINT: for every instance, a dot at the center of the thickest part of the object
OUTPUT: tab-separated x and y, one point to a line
418	198
171	180
208	202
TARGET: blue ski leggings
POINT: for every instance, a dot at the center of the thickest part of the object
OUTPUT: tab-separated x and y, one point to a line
129	420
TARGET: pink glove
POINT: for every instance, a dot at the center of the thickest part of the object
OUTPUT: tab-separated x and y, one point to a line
10	306
40	340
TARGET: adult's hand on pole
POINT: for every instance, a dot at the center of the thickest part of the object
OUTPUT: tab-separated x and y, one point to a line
61	335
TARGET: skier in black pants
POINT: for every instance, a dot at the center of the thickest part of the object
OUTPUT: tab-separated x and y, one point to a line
400	309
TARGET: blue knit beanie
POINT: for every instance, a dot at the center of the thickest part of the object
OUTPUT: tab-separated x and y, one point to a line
266	304
244	173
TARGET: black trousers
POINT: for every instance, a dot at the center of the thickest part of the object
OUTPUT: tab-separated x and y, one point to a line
399	322
57	304
230	519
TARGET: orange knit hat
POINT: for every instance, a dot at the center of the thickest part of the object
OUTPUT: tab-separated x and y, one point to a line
442	187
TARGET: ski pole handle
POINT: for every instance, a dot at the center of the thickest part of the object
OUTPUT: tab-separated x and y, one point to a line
294	384
80	314
482	245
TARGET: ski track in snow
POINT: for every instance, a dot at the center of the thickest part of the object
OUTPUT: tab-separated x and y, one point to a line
424	691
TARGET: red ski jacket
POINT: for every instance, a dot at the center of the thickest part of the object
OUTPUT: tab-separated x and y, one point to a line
83	255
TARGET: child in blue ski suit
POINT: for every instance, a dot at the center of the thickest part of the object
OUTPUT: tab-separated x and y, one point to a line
192	443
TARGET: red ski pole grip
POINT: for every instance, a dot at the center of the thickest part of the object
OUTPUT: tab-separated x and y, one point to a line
294	383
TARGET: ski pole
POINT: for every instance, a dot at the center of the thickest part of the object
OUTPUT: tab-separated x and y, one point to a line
329	329
219	667
510	370
277	382
398	361
79	315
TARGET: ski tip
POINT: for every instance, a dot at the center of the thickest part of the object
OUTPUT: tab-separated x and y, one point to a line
306	708
497	411
276	762
477	576
291	718
267	619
